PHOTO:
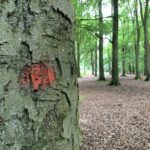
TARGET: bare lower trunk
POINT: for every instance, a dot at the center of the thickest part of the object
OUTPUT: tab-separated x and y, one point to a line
145	63
101	59
92	62
137	43
130	68
96	61
115	72
148	61
78	59
133	68
110	70
123	62
109	63
147	46
38	90
146	37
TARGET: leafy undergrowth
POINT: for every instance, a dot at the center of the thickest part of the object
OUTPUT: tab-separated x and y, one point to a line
115	118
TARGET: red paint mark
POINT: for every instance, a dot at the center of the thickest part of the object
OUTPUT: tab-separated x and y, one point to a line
39	75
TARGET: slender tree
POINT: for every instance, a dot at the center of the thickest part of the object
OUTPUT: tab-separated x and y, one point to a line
96	61
123	61
146	37
101	63
78	59
92	61
137	43
115	73
123	23
136	38
38	90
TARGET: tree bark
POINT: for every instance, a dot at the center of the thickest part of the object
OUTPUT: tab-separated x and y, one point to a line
124	46
133	68
36	40
131	62
96	61
137	43
101	63
92	62
148	60
78	59
109	62
135	22
146	42
115	72
130	68
145	63
123	62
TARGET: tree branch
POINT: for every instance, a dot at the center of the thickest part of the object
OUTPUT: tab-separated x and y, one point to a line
91	19
141	12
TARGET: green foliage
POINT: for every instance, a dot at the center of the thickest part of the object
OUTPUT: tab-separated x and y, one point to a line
87	32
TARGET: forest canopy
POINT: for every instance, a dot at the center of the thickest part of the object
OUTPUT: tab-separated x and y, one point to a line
94	37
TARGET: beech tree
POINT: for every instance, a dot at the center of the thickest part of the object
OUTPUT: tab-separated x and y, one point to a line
115	72
137	45
38	90
101	64
144	18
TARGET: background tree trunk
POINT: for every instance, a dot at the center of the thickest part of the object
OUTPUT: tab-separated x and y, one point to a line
92	62
146	42
96	61
148	64
123	62
78	59
115	73
137	43
109	62
130	68
101	63
124	45
145	63
35	33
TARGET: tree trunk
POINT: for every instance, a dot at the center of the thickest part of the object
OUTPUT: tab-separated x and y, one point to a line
130	68
92	62
137	43
101	63
96	61
115	73
78	59
146	38
38	90
145	63
147	46
124	45
148	60
110	70
135	21
109	62
131	62
123	62
133	68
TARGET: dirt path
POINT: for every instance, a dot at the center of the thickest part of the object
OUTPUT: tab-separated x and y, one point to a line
115	118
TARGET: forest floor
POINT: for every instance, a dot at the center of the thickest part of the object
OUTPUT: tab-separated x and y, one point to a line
114	118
